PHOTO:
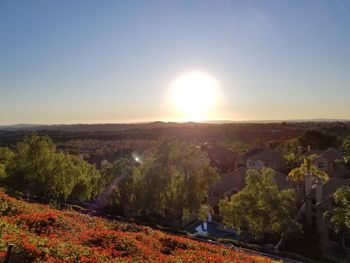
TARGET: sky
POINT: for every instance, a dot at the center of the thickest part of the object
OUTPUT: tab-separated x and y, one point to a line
115	61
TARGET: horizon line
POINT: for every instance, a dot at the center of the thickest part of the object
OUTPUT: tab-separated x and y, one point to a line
180	122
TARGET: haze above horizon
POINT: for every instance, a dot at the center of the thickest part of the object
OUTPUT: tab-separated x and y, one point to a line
138	61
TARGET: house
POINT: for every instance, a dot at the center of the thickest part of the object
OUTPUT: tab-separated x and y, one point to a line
318	199
228	186
326	161
263	157
222	158
234	182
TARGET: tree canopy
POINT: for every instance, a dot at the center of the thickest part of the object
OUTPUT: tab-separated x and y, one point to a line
39	169
260	207
318	140
298	174
339	214
345	161
172	181
6	156
118	188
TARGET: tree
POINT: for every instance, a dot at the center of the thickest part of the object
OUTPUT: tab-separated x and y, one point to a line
345	161
173	180
339	214
86	179
40	170
6	155
118	185
346	145
298	174
292	160
318	140
260	207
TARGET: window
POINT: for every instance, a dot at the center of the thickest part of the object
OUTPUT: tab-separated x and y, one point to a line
321	165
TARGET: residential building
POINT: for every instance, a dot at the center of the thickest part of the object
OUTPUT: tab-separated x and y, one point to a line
326	161
221	158
318	200
262	157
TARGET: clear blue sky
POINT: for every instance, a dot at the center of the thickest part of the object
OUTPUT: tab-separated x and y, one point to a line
112	61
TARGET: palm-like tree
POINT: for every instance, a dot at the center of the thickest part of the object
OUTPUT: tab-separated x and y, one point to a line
298	174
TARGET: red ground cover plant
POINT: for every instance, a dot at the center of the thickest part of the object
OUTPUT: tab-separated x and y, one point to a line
42	234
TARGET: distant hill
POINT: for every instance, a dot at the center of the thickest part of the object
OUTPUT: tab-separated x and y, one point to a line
112	127
105	127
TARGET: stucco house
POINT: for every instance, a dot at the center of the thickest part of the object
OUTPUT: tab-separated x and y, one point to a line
262	157
326	161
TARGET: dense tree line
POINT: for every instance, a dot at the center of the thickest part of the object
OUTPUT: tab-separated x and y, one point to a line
170	182
37	168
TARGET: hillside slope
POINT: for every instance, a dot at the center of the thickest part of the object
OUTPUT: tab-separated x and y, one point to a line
42	234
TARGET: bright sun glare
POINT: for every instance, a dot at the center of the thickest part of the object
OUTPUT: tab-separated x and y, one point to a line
194	96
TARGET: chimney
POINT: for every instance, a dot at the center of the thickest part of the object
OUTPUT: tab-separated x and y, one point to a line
308	183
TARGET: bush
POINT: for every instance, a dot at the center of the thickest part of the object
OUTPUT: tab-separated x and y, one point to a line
241	244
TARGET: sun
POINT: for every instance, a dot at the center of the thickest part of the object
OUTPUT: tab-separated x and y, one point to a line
194	96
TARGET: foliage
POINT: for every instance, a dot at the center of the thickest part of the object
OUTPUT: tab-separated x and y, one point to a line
345	161
2	171
298	174
346	144
39	169
41	234
339	214
318	140
204	211
260	207
169	183
292	160
6	155
173	178
117	182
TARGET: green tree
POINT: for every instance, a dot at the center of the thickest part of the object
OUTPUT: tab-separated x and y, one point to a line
172	181
39	169
339	214
260	207
346	144
318	140
298	174
118	185
6	155
86	179
292	160
345	161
